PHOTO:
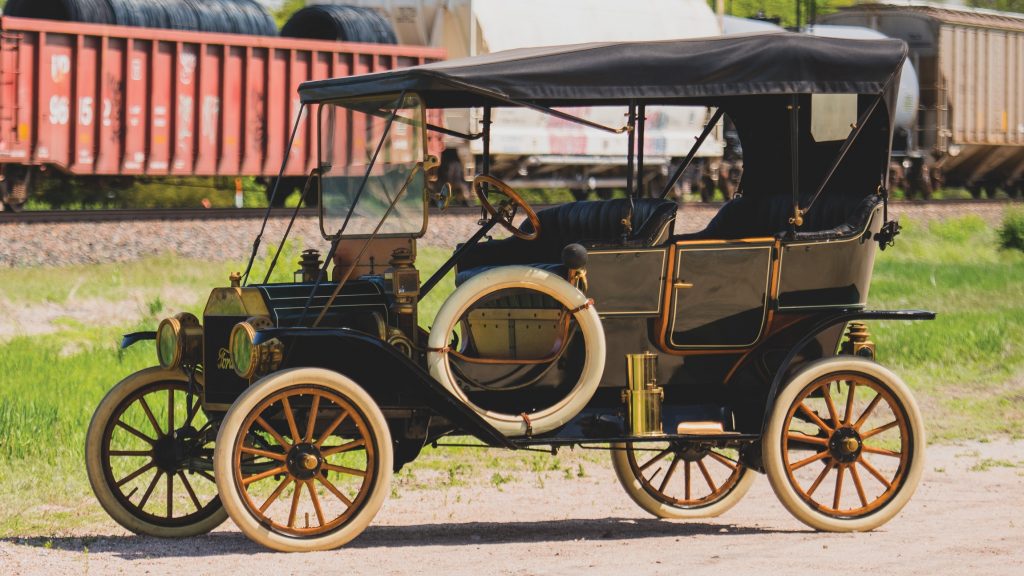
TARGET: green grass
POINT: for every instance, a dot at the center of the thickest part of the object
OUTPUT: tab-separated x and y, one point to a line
966	367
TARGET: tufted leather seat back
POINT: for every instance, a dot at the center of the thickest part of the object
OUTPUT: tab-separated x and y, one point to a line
747	216
588	222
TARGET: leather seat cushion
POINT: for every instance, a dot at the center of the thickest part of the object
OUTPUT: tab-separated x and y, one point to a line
587	222
833	216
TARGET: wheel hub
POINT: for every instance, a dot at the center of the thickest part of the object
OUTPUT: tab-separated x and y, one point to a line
845	445
304	461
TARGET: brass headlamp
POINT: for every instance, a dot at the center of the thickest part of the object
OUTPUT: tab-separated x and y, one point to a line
249	358
179	340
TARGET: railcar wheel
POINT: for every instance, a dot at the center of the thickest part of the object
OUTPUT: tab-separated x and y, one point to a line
844	419
304	460
148	458
672	480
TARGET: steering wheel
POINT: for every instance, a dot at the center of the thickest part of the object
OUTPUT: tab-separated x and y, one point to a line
506	210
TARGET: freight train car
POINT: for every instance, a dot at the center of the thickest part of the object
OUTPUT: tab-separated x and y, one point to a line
970	125
99	101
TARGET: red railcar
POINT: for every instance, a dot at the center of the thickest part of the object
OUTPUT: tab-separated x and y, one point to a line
101	100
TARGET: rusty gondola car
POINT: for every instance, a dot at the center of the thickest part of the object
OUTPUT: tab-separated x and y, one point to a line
696	359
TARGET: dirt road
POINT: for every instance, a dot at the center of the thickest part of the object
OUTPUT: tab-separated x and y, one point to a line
966	518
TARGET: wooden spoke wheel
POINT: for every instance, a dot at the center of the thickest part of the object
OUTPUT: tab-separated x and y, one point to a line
681	480
844	446
149	457
307	460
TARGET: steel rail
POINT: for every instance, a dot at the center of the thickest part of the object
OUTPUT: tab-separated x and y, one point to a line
156	214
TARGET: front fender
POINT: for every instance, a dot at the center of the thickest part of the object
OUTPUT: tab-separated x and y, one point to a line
390	377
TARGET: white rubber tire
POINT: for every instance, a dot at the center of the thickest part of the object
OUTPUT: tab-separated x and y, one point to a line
525	277
228	436
775	467
632	486
94	460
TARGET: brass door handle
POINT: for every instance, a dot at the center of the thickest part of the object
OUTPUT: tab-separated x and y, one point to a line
681	285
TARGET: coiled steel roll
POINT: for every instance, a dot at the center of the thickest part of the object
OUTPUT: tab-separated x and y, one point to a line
232	16
340	22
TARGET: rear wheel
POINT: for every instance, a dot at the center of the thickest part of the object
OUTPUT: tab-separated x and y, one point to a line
306	459
149	457
681	480
844	447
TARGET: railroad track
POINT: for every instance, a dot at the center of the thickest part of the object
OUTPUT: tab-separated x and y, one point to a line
150	214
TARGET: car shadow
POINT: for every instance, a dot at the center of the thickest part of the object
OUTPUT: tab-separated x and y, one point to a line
133	547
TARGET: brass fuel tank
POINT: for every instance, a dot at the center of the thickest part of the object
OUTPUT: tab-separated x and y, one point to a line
643	397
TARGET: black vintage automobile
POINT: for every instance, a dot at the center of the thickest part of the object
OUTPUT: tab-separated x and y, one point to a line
696	359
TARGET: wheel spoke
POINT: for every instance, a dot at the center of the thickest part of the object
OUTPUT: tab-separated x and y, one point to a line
878	430
331	428
170	495
191	492
135	474
686	471
725	461
707	476
206	475
334	490
266	474
277	492
131	452
668	474
295	504
819	479
152	419
149	490
857	484
880	451
135	432
659	456
293	430
804	438
265	453
814	418
316	501
330	451
874	472
808	460
833	414
344	470
850	392
311	422
867	411
170	413
840	469
273	433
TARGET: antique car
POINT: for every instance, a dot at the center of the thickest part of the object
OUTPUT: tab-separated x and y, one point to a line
697	360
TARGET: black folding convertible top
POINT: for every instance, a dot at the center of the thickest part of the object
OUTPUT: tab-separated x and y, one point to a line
669	71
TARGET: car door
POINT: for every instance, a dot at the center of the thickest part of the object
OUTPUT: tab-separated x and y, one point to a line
718	293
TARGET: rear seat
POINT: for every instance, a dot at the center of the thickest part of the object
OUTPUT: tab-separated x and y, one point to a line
830	218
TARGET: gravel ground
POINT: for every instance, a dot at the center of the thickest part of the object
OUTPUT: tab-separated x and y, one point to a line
964	519
226	240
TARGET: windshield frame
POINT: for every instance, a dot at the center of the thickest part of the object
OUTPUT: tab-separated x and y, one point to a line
420	117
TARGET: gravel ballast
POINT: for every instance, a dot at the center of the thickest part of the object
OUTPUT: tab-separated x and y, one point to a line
62	244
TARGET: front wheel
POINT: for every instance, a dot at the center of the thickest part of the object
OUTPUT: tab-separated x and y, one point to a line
844	446
303	460
149	459
681	480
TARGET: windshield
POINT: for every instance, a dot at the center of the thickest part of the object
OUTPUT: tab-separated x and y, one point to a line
354	200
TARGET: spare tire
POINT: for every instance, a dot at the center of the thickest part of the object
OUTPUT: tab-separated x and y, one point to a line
567	295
